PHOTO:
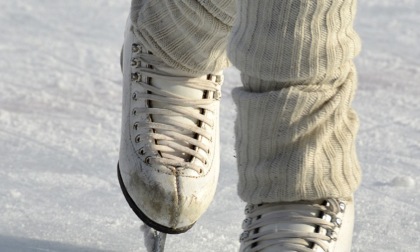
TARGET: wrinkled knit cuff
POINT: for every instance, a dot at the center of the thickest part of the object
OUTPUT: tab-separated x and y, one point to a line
297	143
295	129
190	35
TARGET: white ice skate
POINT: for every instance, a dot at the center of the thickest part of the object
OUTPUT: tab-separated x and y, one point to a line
169	156
324	226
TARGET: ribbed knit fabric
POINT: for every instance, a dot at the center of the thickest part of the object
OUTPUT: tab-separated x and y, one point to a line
295	128
189	35
293	40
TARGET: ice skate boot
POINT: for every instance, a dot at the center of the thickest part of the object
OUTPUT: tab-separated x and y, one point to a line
305	226
169	156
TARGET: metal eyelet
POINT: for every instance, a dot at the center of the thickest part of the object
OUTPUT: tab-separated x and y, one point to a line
147	160
134	96
136	126
249	209
135	48
133	63
137	139
342	207
134	112
338	222
134	76
244	236
217	95
141	151
246	223
332	234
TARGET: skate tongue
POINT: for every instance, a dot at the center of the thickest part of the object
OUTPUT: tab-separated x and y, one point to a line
179	89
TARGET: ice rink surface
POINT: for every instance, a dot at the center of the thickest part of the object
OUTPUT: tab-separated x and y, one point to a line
60	106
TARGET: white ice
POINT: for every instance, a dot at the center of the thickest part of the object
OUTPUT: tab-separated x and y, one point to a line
60	106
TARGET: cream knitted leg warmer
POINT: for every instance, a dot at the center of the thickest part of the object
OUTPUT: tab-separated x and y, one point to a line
295	128
189	35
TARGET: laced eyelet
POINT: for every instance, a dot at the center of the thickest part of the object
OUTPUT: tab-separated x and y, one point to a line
133	63
338	222
249	209
134	76
244	236
134	96
332	234
135	48
246	223
342	207
134	112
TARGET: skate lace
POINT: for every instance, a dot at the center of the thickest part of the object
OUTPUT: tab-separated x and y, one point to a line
179	106
297	213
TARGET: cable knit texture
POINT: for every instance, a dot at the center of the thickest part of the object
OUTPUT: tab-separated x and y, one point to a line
189	35
295	127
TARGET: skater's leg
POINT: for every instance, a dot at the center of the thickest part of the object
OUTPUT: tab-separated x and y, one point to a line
295	127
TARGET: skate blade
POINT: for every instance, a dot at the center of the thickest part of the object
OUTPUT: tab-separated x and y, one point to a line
154	241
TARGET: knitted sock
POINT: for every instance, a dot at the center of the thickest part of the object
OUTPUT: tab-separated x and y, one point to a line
295	128
189	35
